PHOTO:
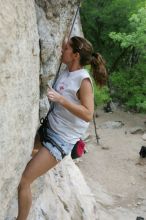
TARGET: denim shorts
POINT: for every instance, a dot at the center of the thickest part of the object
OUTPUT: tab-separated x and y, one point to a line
66	147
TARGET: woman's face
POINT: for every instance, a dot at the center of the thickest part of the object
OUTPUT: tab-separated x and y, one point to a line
67	54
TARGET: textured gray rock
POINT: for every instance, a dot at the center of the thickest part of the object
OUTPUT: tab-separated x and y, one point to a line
144	137
31	38
19	92
137	130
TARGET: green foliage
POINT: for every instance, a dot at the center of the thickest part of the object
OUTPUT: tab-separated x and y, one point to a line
137	37
101	95
129	88
101	17
130	84
117	29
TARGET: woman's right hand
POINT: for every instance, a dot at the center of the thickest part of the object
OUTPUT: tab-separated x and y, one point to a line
54	96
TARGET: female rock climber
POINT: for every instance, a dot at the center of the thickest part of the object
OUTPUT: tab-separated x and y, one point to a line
73	100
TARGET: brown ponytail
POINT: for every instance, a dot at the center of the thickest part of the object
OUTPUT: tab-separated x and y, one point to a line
98	69
84	48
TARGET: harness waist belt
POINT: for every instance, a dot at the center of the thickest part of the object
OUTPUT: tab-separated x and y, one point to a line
57	146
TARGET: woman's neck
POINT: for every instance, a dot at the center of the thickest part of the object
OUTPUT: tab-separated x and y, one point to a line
74	67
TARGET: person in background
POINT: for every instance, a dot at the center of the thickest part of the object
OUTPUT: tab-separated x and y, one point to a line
73	100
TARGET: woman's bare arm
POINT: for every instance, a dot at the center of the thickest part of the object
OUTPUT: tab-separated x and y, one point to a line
85	109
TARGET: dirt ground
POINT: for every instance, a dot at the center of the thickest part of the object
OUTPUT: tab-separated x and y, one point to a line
113	169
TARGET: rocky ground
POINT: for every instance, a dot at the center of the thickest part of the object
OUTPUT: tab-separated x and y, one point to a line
113	169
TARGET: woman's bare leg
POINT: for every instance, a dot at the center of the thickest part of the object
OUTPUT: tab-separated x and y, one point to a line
37	166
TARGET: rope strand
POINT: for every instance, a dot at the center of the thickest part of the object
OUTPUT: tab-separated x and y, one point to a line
95	129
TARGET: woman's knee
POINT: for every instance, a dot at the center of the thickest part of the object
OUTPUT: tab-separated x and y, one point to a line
24	182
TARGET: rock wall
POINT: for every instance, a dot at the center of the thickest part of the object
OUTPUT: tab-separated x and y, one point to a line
19	92
31	38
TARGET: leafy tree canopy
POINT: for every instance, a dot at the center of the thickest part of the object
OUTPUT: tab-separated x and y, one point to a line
117	29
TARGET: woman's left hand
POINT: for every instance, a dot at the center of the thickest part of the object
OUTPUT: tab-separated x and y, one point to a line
54	96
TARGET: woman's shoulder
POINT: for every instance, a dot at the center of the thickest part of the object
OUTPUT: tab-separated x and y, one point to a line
83	70
84	73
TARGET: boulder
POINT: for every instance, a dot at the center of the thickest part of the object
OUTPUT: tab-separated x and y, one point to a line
137	130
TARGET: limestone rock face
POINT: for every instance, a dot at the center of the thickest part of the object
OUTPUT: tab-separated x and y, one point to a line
31	38
19	92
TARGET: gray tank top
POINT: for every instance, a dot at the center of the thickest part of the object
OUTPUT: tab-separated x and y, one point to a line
67	125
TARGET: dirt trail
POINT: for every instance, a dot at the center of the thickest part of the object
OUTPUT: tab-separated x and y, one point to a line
114	170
